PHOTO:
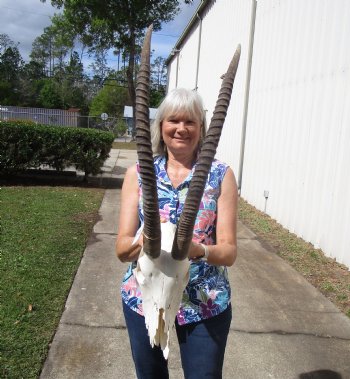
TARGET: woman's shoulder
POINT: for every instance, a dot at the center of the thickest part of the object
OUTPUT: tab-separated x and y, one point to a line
218	163
157	159
219	168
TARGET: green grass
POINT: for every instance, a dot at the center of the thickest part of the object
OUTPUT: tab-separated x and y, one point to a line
124	145
330	277
43	233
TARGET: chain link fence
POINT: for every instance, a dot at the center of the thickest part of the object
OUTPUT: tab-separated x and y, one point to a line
118	126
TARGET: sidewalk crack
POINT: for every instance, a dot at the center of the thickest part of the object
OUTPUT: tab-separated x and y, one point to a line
117	327
285	333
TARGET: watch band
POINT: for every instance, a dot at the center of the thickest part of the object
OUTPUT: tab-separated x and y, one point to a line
206	252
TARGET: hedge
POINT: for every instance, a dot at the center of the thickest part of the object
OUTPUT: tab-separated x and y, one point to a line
24	145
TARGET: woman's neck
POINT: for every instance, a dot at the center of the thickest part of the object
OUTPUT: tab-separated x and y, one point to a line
183	161
178	168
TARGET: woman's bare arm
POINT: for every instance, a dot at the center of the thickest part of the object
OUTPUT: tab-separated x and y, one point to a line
128	219
224	252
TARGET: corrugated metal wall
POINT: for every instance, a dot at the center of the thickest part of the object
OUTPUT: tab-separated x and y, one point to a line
224	26
298	125
187	62
40	115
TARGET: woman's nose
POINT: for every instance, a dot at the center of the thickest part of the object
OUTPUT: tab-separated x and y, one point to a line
181	126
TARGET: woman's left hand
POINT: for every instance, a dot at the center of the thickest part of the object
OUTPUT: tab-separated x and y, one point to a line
196	251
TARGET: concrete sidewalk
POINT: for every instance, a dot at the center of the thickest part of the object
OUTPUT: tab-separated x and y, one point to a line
282	327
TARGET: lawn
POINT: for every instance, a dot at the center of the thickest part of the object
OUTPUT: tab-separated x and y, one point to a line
43	233
328	276
124	145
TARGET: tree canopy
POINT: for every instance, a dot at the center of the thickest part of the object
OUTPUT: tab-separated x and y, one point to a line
117	24
11	64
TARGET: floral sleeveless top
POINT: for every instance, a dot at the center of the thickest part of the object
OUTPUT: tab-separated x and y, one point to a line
208	292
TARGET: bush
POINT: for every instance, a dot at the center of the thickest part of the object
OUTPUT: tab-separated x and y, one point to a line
24	145
120	128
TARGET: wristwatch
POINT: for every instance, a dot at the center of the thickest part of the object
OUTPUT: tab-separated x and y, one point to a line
204	257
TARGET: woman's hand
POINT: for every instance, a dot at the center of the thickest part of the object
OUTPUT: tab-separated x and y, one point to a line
196	251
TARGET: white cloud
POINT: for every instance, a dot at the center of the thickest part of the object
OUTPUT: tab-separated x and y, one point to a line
24	20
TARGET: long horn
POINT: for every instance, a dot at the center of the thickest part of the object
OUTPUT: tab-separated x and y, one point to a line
188	216
151	230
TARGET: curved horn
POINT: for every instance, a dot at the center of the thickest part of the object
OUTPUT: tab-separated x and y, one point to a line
188	216
151	230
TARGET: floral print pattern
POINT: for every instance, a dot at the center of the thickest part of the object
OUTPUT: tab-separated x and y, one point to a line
208	292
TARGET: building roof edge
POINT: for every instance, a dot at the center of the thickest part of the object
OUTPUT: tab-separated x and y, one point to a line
199	11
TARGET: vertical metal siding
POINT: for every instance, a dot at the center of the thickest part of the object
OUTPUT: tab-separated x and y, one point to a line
298	125
172	74
300	85
187	62
224	27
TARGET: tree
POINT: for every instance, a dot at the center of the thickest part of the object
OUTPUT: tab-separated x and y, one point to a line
58	42
99	67
158	74
11	64
50	95
158	82
66	36
43	51
5	42
110	99
118	24
31	82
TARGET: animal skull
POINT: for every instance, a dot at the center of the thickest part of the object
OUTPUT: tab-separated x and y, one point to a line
162	281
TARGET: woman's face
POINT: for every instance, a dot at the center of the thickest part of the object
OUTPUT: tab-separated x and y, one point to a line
181	133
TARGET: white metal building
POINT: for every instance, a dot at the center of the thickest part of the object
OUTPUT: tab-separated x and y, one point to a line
289	113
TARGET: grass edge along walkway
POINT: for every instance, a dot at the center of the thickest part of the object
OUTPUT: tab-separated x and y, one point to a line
43	235
331	278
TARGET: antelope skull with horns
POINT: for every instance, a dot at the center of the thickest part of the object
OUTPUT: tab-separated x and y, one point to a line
162	270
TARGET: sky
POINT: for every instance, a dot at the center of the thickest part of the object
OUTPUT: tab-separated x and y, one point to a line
24	20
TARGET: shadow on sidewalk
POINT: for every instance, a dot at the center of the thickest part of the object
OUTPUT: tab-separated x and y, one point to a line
60	179
321	374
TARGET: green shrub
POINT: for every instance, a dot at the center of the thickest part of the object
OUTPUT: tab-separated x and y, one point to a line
24	145
120	128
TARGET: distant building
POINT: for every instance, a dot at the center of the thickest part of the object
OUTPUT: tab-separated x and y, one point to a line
128	117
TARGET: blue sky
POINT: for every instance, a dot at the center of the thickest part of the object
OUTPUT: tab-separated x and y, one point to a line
24	20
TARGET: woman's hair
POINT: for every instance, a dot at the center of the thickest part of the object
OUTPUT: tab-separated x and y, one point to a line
179	100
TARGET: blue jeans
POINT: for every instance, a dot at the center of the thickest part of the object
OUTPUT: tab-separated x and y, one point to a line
202	347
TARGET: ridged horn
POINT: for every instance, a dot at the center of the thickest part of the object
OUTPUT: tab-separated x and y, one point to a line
188	216
151	230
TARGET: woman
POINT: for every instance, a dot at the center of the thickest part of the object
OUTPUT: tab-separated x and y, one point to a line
204	316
